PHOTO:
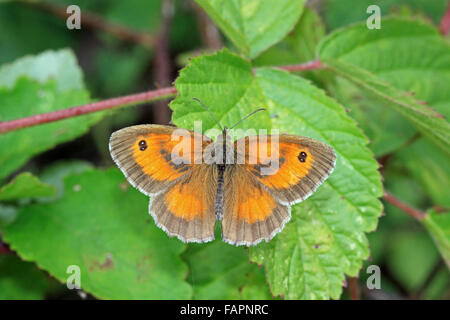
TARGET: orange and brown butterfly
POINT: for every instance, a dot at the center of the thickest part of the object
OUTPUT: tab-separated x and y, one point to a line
188	194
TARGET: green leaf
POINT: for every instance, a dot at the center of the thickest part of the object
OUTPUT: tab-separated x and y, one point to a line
55	174
325	238
136	14
411	258
17	147
386	129
25	30
438	287
254	25
237	93
25	185
403	186
8	214
38	84
21	280
438	225
120	251
433	173
60	66
339	13
34	85
28	98
125	76
299	45
409	55
221	271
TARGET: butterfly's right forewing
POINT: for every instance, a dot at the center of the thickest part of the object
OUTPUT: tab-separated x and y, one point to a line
181	194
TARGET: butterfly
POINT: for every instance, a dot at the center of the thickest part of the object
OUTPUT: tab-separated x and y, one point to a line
236	186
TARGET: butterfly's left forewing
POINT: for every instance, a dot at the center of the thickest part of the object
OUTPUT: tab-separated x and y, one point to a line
278	172
294	166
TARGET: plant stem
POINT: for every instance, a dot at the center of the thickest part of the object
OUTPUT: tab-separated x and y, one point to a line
4	248
353	288
162	62
445	22
97	22
132	99
208	31
416	214
316	64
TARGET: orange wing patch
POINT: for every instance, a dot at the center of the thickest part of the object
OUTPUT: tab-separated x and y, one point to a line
294	164
286	163
251	213
186	210
187	202
250	201
154	153
255	205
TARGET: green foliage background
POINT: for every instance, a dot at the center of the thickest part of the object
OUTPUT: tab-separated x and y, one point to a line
381	99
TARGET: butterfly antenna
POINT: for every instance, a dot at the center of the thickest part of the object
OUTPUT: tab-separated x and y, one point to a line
257	110
212	116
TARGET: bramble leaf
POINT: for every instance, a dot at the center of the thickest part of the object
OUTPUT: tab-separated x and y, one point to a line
299	45
433	173
411	256
55	174
221	271
340	13
325	238
43	83
387	130
403	56
438	225
120	251
25	185
254	25
235	94
21	280
60	66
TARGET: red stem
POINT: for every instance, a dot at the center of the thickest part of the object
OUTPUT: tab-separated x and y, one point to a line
316	64
445	22
158	94
416	214
353	288
4	248
87	108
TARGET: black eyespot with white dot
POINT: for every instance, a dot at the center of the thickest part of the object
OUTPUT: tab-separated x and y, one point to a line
142	145
302	156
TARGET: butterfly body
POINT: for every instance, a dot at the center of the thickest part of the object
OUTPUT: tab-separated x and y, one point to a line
247	185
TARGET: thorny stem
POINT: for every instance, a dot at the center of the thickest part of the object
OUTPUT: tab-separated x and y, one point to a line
132	99
416	214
